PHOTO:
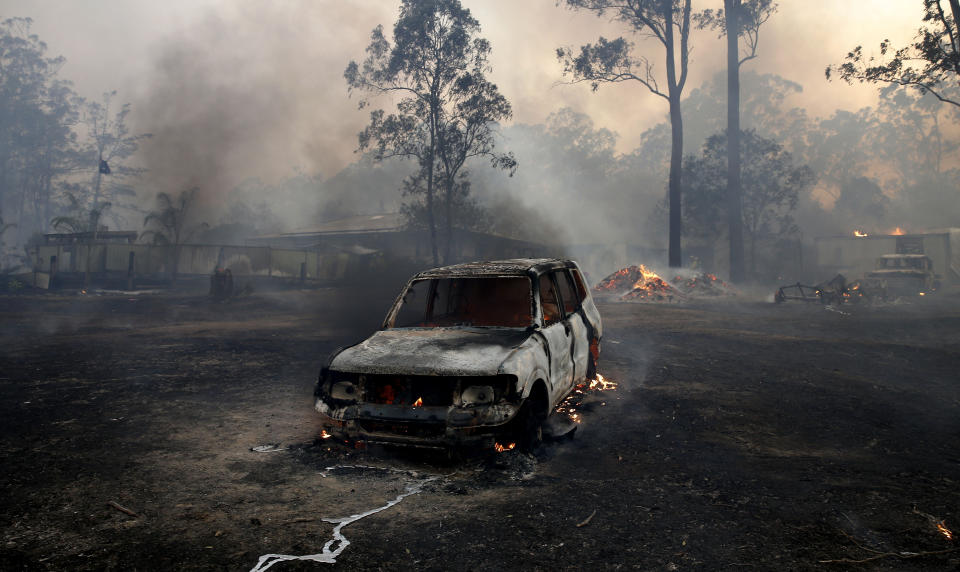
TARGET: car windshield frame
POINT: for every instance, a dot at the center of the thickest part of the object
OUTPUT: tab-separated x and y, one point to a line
454	290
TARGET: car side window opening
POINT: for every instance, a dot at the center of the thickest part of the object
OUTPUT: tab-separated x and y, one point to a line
549	301
581	285
567	292
467	301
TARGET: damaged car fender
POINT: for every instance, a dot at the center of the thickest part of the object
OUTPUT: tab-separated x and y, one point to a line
528	363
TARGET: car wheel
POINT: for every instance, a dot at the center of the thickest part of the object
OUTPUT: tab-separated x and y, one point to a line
529	428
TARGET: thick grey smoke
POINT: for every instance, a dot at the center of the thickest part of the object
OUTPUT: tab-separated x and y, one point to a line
251	88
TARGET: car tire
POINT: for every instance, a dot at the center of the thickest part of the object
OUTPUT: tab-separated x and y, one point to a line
529	428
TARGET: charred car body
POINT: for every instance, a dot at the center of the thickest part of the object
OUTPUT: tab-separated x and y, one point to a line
468	353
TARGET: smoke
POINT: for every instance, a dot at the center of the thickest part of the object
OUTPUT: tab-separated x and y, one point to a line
250	89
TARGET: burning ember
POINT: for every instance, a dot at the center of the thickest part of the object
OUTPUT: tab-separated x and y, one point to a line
860	233
573	401
897	231
601	384
324	434
418	402
944	530
501	448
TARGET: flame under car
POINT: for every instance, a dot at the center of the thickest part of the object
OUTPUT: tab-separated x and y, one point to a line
468	353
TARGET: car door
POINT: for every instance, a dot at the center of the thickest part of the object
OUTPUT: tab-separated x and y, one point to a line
558	336
578	335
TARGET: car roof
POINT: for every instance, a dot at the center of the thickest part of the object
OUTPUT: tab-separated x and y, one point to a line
510	267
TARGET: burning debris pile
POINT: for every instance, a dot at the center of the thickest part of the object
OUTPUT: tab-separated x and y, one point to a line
636	283
640	284
704	284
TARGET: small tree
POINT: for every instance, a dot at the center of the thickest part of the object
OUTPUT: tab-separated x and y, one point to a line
109	143
447	108
171	223
771	188
612	61
80	220
930	64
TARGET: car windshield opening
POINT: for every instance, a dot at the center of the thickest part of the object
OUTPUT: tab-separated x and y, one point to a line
466	301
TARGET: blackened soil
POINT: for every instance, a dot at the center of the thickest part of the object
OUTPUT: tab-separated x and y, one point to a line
742	435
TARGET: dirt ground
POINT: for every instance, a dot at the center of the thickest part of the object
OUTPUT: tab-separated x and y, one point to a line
743	435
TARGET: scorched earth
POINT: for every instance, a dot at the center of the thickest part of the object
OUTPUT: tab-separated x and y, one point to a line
172	432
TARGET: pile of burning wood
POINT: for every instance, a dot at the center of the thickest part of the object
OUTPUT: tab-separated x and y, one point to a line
640	284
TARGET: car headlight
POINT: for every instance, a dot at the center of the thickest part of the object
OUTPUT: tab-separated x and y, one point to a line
477	395
344	391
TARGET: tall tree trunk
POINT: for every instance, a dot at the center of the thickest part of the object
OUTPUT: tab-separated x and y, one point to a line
96	187
674	254
734	215
955	9
430	162
449	213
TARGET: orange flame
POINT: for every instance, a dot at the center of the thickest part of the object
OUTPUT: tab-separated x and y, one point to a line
569	405
324	434
860	233
897	231
601	384
501	448
944	530
418	402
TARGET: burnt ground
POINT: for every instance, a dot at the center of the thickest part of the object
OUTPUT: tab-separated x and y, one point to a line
742	435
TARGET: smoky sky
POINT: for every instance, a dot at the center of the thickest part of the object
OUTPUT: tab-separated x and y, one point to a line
239	88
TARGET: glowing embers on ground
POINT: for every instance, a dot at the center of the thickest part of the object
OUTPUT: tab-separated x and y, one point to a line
571	405
942	527
501	448
859	233
704	284
324	434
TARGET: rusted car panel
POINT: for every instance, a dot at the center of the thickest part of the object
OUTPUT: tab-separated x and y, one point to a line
467	353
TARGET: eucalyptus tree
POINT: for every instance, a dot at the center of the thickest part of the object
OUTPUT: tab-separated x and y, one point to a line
446	109
738	20
109	143
929	65
614	61
37	113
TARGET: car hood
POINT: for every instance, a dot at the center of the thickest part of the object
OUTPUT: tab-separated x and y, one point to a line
433	351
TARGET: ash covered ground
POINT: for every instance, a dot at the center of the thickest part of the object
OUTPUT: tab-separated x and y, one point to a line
742	434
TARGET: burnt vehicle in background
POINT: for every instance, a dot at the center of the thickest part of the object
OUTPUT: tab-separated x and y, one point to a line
903	275
467	354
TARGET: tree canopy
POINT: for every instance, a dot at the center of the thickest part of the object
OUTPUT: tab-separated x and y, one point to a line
615	61
446	111
931	64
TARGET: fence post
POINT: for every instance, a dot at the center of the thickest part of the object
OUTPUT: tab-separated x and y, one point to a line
53	271
130	267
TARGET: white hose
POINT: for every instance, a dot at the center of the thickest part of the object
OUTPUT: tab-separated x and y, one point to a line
329	555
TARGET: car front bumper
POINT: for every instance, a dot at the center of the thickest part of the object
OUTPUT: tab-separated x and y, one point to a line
425	427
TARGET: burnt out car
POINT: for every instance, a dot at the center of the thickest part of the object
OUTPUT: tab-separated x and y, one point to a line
467	354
